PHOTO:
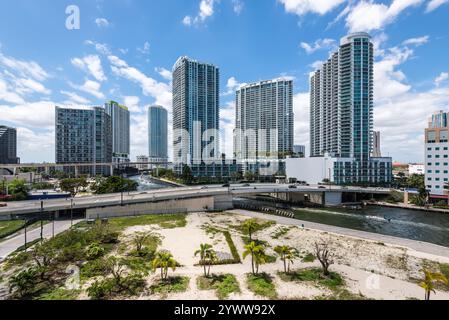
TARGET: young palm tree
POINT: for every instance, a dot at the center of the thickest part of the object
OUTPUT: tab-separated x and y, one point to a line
250	226
430	278
287	255
257	253
207	256
164	260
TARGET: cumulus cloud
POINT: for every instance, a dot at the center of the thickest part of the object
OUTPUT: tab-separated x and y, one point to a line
232	86
91	87
434	4
7	95
133	103
23	68
92	65
164	73
74	98
417	41
206	10
102	22
318	45
369	15
237	5
145	49
442	77
302	7
160	91
100	47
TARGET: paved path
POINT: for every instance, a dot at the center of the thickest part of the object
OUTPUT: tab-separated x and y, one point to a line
418	246
9	246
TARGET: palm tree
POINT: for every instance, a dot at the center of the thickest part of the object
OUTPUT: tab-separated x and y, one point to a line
287	255
164	260
250	226
430	278
207	255
258	256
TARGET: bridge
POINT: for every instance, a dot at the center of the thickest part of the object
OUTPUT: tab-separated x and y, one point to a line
185	199
46	167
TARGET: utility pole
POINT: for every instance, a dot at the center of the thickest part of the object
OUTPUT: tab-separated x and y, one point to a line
71	212
42	221
53	226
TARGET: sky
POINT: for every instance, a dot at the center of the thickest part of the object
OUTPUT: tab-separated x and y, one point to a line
124	50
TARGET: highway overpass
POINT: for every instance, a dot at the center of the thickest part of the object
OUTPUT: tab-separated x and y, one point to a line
184	199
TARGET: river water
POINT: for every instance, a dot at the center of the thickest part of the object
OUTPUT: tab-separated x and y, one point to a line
146	184
404	223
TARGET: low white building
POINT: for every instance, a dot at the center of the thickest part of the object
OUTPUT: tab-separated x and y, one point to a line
340	171
311	170
415	168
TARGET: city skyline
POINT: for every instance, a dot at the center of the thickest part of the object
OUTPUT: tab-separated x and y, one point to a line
98	63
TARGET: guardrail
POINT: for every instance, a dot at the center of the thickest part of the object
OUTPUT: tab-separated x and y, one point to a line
267	210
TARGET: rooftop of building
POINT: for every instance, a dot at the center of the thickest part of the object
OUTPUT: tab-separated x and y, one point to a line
259	83
183	58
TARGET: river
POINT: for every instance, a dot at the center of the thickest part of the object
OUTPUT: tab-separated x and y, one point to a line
403	223
147	184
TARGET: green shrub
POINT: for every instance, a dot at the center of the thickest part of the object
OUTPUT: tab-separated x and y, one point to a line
223	285
309	258
170	285
262	285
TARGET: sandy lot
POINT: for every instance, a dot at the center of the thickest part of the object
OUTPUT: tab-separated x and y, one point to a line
375	270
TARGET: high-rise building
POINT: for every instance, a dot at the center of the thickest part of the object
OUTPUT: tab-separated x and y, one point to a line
341	114
377	153
437	155
83	135
264	125
196	113
299	151
157	134
120	118
8	145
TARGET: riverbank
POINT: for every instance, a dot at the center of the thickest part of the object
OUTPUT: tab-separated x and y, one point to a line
418	247
407	206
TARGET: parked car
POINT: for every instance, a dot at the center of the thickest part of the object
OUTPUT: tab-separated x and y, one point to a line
246	185
203	188
292	187
226	185
321	187
3	204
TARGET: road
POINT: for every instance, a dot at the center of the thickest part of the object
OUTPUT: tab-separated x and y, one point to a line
9	246
418	246
23	207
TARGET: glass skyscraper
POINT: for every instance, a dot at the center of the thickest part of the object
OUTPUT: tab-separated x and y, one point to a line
120	118
157	134
264	124
83	135
8	145
196	114
341	112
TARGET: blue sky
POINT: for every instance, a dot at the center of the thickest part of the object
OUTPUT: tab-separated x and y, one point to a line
125	49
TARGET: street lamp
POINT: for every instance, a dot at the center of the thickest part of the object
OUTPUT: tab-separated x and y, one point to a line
42	221
71	212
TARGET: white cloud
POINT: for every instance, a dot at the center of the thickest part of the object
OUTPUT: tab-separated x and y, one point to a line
92	65
369	15
317	64
301	109
442	77
100	47
302	7
434	4
318	45
232	86
206	10
160	91
35	145
164	73
91	87
7	95
24	68
417	41
237	6
145	49
74	98
102	22
31	86
227	125
132	102
35	114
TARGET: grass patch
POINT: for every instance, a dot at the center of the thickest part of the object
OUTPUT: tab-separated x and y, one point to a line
8	228
280	232
60	294
262	285
171	285
166	221
309	258
343	294
396	262
315	275
223	285
232	247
